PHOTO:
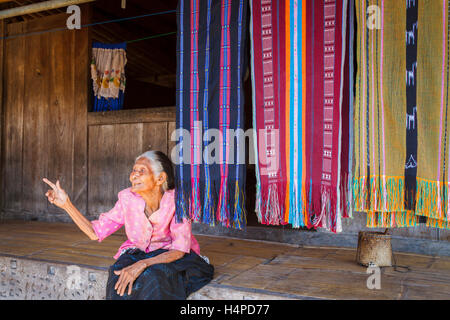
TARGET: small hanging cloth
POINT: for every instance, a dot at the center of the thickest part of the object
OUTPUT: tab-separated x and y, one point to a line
108	75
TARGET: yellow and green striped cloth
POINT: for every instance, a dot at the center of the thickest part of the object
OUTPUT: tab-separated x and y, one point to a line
402	86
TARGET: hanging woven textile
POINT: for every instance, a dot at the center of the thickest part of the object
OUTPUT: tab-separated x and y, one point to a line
108	75
298	50
346	163
210	162
433	114
401	167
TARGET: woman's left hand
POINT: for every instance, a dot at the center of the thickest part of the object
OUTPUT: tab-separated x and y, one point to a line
127	276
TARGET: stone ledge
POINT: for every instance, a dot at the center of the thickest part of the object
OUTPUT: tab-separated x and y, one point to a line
27	279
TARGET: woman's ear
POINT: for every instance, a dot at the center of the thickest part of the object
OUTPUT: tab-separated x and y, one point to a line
162	178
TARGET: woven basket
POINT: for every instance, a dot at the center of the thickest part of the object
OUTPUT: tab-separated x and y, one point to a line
374	248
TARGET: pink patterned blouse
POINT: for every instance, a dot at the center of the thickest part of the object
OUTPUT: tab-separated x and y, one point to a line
160	231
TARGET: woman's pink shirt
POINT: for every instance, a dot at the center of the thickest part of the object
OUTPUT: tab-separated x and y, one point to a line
160	231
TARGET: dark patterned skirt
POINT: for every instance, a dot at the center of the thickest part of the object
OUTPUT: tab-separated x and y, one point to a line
165	281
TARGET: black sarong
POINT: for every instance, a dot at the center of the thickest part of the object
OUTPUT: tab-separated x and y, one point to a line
164	281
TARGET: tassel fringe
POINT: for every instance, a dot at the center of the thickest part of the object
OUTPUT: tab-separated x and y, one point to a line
214	207
433	200
435	223
239	219
384	194
392	219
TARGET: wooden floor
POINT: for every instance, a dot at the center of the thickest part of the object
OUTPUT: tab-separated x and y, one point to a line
292	271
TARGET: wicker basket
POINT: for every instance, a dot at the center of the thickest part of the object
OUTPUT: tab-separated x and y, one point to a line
374	248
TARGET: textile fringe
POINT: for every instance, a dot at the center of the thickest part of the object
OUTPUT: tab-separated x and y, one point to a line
345	205
433	200
209	210
223	207
329	209
195	209
272	208
182	201
320	212
435	223
384	194
410	193
350	196
392	219
239	218
205	209
258	200
209	205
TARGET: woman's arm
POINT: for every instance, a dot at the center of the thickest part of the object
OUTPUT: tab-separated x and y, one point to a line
166	257
59	197
80	220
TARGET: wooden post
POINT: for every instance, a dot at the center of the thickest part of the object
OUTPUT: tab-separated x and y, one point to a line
2	76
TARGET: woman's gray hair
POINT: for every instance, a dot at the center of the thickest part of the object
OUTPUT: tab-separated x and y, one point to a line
155	165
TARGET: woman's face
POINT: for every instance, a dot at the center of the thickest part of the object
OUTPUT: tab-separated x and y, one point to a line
142	178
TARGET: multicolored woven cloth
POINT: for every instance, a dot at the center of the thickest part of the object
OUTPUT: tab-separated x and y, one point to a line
297	70
210	162
108	75
401	150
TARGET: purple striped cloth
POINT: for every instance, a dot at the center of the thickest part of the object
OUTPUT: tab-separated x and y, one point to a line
210	161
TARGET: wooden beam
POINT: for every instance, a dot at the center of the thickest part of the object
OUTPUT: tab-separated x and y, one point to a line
34	15
168	80
38	7
161	114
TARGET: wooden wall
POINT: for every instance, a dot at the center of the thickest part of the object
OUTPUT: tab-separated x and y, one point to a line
47	130
115	140
44	115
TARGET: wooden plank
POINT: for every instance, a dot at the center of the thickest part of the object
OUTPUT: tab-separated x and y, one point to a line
164	114
253	249
80	134
35	147
154	137
13	132
101	159
307	262
72	257
61	112
41	24
128	145
17	249
260	277
329	285
235	267
38	7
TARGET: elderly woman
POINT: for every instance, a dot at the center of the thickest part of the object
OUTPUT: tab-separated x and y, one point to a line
161	258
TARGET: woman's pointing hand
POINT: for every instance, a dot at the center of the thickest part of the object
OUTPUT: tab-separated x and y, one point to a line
57	195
